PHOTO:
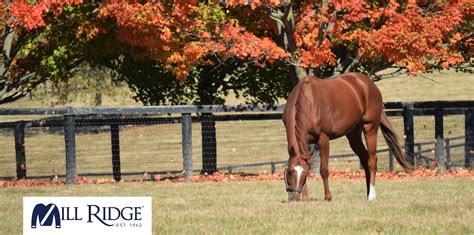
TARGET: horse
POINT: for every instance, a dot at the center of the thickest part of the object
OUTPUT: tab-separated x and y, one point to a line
320	110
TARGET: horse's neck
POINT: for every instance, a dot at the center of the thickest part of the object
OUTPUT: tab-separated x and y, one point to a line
299	114
302	133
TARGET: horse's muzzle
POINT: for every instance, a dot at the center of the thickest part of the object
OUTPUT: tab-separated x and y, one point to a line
291	189
295	196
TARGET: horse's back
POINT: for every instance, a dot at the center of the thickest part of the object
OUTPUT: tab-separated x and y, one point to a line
357	80
345	101
368	93
361	85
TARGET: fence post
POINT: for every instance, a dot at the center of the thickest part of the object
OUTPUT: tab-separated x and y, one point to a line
409	132
187	146
469	135
115	142
209	145
448	153
19	132
417	155
273	168
390	160
70	141
439	136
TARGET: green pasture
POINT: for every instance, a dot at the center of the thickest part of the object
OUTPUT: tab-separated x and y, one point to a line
410	206
447	85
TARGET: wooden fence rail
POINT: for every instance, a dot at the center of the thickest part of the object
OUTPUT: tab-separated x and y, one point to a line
115	117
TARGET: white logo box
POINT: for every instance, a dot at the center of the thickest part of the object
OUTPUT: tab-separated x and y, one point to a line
87	215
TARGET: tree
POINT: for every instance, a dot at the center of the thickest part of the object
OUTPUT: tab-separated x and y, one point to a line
196	44
312	37
27	50
153	85
45	40
216	46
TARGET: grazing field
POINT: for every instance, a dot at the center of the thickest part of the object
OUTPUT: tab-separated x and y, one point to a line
447	85
409	206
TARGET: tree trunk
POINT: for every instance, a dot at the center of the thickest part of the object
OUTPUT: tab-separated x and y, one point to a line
98	89
7	35
209	144
206	92
297	73
285	21
98	99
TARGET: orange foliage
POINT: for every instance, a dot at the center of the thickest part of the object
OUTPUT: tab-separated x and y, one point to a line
256	3
182	34
410	38
30	16
181	37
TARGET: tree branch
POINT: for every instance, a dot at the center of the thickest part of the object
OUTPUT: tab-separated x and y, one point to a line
354	63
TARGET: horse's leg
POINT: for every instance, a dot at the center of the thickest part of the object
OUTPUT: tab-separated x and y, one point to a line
324	170
370	131
355	141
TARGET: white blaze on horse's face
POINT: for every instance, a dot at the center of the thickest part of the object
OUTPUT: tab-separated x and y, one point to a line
299	171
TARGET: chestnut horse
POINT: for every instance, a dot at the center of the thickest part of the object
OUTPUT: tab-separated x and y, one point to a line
321	110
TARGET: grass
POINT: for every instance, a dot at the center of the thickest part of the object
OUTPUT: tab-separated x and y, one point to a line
446	85
410	206
117	95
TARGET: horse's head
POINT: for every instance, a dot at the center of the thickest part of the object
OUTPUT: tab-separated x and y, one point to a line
295	174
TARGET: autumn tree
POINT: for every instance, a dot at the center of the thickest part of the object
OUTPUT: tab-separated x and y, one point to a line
333	37
44	40
195	49
312	37
206	44
193	39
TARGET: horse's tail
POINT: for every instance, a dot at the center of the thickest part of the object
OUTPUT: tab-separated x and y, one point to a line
392	141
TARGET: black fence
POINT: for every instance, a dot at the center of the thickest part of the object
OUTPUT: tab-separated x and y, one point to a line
147	141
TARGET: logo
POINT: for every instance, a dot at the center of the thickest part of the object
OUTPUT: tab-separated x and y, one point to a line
83	215
45	215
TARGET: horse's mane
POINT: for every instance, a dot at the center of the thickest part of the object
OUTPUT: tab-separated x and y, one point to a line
302	114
